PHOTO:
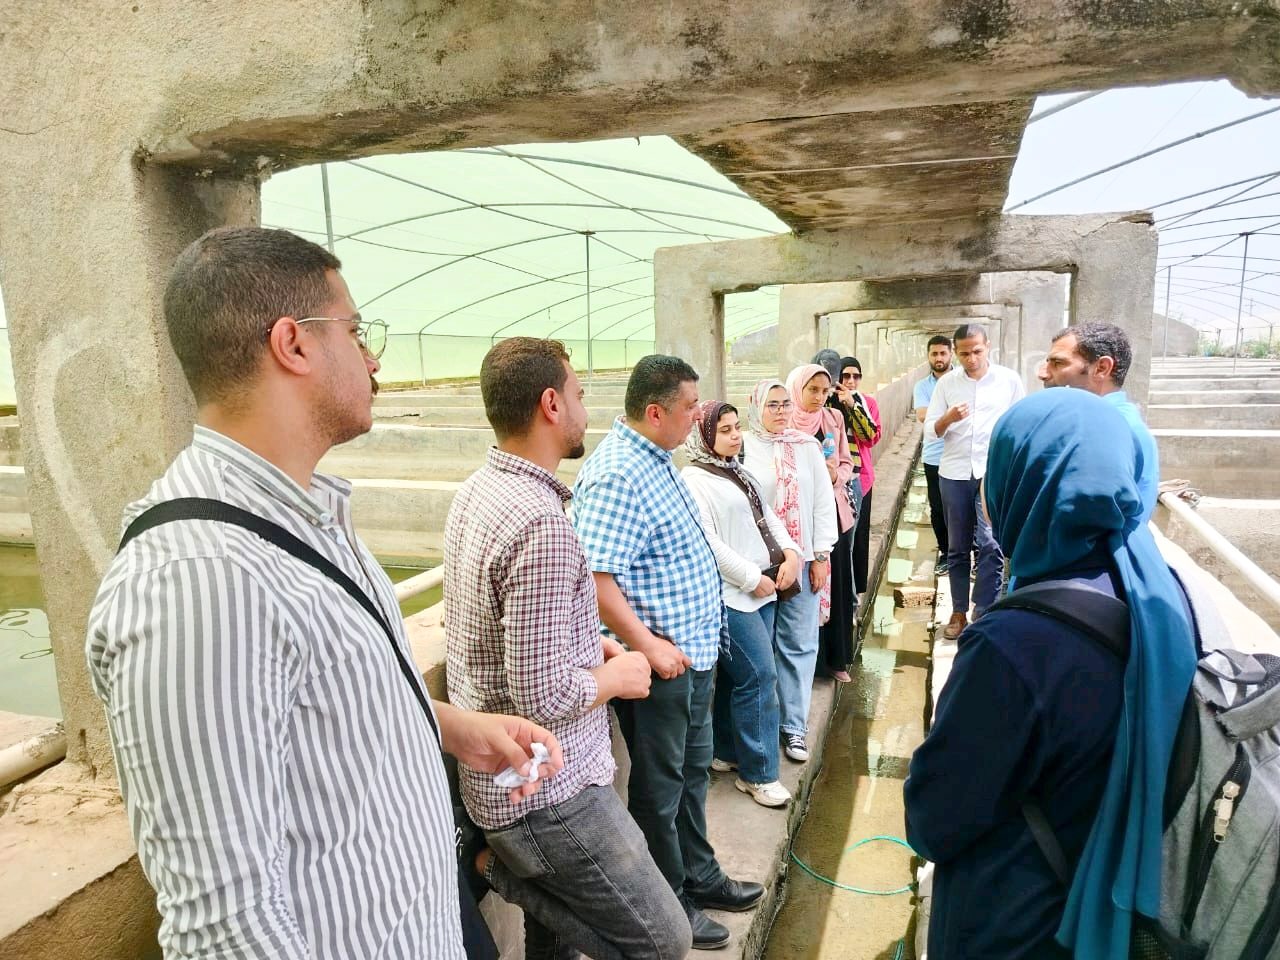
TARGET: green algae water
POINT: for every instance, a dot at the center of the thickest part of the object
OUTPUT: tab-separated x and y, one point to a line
28	682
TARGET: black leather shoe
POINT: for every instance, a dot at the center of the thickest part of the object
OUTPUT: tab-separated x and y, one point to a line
707	934
732	895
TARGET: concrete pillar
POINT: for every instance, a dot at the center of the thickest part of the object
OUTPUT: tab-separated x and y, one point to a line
691	326
1043	300
102	400
1113	282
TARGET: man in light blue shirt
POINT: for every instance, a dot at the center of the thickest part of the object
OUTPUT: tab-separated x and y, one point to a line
939	348
659	591
1096	357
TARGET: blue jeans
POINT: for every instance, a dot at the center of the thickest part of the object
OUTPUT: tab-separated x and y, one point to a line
581	872
746	706
795	648
668	736
967	528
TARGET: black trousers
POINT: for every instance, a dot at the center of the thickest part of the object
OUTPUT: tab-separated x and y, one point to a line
937	516
835	637
862	543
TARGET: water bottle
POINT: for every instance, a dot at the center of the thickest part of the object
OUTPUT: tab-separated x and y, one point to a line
829	445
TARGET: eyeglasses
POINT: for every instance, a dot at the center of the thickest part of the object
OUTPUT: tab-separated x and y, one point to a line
371	335
777	406
850	376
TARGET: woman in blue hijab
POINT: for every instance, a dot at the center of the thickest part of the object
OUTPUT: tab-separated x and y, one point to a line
1037	711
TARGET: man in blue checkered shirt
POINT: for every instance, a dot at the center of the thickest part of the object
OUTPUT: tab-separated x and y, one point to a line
659	592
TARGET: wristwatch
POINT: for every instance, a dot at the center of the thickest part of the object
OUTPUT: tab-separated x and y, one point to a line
822	556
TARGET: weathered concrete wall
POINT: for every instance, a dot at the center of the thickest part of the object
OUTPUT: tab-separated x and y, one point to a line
1173	337
1111	258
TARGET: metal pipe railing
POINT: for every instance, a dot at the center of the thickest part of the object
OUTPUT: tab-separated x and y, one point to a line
419	583
1224	549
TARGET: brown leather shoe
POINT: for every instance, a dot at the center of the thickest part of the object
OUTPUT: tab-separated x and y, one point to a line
955	626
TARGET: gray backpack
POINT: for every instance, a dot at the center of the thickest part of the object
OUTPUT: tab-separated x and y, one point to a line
1220	890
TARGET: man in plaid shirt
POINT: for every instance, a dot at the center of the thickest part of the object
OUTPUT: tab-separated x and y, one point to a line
523	638
659	593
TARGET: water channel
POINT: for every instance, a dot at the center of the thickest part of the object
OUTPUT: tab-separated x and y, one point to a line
878	723
28	684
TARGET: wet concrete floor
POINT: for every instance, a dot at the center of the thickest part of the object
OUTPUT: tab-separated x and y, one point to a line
878	723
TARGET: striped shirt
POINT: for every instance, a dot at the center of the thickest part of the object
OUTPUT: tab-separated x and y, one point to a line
638	521
522	627
284	789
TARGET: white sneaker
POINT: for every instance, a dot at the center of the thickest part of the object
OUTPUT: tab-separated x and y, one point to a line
722	766
771	794
795	748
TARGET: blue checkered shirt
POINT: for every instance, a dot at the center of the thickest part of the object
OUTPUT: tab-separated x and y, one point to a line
637	521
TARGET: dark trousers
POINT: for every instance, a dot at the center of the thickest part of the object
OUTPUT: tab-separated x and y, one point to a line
669	737
835	637
937	515
967	526
862	544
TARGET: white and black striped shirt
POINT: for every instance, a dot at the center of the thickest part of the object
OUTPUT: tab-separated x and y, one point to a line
284	789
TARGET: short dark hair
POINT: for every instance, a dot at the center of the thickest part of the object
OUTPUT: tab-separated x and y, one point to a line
938	341
1096	339
656	379
513	376
967	331
225	291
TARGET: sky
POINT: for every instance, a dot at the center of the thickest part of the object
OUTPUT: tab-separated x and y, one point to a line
449	276
1200	260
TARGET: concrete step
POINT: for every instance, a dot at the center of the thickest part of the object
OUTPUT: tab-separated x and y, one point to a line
1211	398
1202	382
1222	463
396	452
1232	416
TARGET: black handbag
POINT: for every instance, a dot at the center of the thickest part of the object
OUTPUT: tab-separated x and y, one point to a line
476	937
776	554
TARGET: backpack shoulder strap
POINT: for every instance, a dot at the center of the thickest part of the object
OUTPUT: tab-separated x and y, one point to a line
1103	617
203	508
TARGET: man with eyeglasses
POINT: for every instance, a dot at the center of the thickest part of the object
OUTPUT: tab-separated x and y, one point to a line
279	758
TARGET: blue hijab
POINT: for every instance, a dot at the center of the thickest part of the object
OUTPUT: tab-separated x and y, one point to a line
1060	485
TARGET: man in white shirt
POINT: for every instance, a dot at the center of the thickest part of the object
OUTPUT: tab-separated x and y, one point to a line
964	408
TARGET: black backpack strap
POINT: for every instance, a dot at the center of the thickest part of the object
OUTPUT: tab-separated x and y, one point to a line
202	508
1047	841
1099	615
1103	617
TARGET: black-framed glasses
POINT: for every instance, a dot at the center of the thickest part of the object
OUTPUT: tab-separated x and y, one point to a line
371	335
850	376
777	406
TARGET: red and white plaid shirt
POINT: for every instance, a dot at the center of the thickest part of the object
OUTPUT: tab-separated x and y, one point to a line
522	627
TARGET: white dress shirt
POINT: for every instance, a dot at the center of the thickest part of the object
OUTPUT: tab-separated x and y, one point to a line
730	525
965	442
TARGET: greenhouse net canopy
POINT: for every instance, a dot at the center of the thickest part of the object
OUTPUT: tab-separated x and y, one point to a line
454	251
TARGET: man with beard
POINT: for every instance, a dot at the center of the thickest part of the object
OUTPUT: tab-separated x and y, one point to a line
279	758
523	638
939	348
1096	356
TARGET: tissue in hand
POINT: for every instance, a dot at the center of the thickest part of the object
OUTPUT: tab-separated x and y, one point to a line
510	778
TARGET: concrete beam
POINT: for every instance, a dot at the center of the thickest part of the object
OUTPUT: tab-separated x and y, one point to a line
1111	257
354	79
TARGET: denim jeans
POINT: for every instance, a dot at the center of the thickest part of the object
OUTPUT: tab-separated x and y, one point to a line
967	528
795	645
746	705
668	736
581	872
